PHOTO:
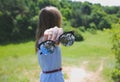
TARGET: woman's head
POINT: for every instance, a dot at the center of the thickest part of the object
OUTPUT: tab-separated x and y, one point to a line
49	17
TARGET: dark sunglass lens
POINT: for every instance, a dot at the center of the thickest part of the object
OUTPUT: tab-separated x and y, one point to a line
67	39
47	47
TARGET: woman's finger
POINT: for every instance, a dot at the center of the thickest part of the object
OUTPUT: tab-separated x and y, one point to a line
54	34
50	35
46	35
60	31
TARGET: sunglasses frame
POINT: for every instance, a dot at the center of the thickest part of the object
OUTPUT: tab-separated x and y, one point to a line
65	33
51	42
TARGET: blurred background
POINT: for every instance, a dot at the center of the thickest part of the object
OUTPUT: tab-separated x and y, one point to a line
94	57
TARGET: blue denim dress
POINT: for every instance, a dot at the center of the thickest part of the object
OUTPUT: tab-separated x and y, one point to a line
50	62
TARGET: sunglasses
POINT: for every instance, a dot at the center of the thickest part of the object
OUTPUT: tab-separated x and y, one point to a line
48	46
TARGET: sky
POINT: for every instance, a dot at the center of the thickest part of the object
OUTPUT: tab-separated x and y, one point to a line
103	2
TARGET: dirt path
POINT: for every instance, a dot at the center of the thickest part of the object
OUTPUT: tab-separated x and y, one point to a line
73	74
80	74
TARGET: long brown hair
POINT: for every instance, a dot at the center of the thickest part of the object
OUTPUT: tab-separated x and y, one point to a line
48	18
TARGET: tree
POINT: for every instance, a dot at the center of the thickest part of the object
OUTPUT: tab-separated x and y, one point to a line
66	12
111	10
44	3
76	19
18	15
104	24
86	8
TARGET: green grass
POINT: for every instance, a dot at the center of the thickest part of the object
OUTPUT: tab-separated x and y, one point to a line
94	46
18	62
95	49
16	50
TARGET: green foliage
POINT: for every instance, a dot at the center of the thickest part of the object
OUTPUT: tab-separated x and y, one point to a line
66	12
93	26
111	10
104	23
44	3
19	18
116	42
86	8
116	49
112	19
116	75
78	35
118	14
6	27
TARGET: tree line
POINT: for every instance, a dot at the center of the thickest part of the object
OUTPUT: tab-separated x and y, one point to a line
19	18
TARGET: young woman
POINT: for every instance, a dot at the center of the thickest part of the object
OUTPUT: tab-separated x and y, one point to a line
49	28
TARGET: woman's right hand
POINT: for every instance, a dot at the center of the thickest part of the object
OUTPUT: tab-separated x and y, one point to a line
53	33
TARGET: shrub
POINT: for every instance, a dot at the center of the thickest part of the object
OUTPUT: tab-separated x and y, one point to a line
78	36
116	75
116	50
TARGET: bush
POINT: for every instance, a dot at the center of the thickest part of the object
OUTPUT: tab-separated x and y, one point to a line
116	75
92	30
6	25
104	24
78	36
82	28
116	50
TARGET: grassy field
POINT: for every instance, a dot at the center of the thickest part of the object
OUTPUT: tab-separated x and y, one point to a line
18	62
